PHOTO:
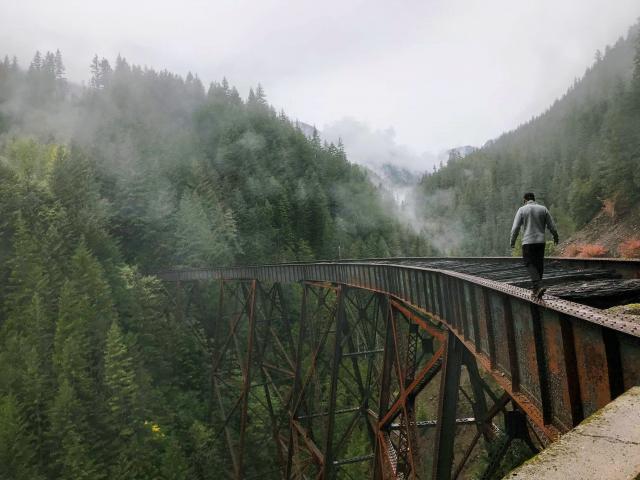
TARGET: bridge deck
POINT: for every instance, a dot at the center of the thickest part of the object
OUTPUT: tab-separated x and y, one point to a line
599	283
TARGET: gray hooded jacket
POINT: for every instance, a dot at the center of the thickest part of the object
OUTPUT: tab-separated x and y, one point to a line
533	218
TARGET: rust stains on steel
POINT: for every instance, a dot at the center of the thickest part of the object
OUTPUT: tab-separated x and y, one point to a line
378	333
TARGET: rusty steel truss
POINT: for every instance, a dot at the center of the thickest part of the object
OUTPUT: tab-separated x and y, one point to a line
362	369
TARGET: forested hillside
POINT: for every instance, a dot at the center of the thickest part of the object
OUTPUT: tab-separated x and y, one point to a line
141	170
579	156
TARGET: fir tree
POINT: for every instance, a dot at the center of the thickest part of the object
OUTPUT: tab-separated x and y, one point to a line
72	343
49	64
59	66
95	80
27	273
122	67
260	96
205	235
251	99
636	71
121	388
17	459
73	459
87	278
36	63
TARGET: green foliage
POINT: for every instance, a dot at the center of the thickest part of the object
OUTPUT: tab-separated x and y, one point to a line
122	396
17	459
71	453
206	235
583	201
205	460
72	342
139	171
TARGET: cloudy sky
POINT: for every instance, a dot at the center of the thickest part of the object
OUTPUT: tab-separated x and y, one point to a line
426	75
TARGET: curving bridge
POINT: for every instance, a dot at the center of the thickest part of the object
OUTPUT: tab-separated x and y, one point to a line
408	368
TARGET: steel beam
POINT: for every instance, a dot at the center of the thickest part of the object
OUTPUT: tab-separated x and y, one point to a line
297	381
328	471
382	454
447	407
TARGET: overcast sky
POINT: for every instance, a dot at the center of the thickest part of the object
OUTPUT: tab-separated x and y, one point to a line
429	74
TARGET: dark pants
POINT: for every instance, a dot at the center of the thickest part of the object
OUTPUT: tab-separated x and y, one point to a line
533	256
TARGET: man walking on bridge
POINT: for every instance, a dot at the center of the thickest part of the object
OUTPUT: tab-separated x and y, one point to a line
534	218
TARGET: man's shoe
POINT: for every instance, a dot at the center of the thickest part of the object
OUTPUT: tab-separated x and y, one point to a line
537	293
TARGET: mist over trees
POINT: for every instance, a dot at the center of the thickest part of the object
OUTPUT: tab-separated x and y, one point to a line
141	170
583	151
165	151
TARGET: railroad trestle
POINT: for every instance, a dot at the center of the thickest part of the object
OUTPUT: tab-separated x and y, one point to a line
345	369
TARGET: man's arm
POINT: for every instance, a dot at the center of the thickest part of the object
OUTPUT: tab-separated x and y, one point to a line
551	225
515	230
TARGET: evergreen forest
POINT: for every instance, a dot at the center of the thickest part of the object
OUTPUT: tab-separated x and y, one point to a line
103	184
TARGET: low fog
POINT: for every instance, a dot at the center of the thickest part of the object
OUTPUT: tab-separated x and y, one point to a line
375	147
441	73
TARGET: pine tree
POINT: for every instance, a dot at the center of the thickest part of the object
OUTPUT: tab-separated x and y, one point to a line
206	233
59	74
105	72
17	460
73	459
203	458
121	65
636	70
73	184
260	97
234	97
31	275
37	390
95	80
120	384
72	343
251	99
27	276
88	279
174	464
85	312
59	66
36	63
341	152
49	65
315	137
133	443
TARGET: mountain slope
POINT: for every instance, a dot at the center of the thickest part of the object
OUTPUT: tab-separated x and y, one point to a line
608	234
179	166
584	150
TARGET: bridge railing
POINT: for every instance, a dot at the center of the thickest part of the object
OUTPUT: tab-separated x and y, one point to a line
560	361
